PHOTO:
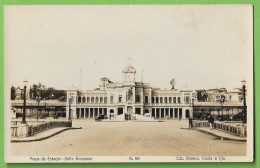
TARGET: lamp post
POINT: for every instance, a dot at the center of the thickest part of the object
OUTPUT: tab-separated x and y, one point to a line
45	106
38	99
222	100
24	101
244	98
69	108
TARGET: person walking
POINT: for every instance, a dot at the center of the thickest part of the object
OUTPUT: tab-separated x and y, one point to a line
190	122
211	121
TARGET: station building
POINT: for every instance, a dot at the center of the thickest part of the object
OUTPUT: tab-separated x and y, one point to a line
129	97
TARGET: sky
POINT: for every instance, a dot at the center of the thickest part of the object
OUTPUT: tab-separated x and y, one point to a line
200	46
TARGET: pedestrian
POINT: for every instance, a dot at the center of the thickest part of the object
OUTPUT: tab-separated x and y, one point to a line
211	121
190	122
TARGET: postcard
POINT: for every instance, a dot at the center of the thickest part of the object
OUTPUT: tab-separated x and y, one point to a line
128	83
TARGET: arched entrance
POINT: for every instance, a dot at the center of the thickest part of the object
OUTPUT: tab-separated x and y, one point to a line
146	111
187	113
111	111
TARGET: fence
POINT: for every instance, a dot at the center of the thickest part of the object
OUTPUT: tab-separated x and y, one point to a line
233	128
29	130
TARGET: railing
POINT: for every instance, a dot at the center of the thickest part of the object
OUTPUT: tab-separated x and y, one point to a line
32	122
34	129
238	129
37	128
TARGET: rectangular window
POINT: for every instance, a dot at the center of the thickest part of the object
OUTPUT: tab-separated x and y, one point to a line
187	99
137	98
165	100
179	99
170	100
120	98
157	99
161	99
105	99
146	99
152	99
92	99
97	100
111	99
174	99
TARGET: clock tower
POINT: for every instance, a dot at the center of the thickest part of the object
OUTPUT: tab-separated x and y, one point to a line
129	74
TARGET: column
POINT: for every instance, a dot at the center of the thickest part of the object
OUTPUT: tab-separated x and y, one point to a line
160	113
177	112
164	113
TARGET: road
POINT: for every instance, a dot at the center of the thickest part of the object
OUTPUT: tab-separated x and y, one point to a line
130	139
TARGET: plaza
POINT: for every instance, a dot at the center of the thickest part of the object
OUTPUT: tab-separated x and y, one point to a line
130	138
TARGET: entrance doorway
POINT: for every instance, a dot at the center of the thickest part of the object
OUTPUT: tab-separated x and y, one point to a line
187	113
120	111
138	111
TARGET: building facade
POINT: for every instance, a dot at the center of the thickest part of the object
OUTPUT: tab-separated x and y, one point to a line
129	97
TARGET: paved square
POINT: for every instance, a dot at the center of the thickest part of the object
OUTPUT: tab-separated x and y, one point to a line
130	139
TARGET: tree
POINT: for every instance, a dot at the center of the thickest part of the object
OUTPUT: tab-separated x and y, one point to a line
202	96
12	93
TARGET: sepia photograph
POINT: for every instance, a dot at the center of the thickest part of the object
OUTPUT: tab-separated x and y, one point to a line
128	83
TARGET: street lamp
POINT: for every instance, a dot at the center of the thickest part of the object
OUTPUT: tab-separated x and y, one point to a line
24	101
38	99
222	101
244	98
70	100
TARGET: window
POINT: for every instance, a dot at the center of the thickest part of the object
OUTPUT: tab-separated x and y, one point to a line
105	99
88	99
137	98
96	100
174	99
146	99
187	99
152	99
101	100
157	99
92	99
161	99
179	99
79	99
120	98
84	100
170	100
165	100
111	99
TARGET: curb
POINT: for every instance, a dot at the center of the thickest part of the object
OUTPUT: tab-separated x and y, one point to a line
222	137
43	138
